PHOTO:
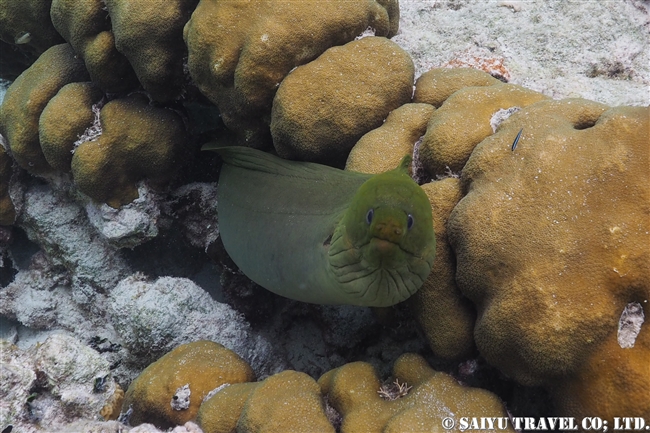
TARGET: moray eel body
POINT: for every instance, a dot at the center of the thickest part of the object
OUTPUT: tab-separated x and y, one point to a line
322	235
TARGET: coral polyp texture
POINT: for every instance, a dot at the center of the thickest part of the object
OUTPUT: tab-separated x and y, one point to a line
464	118
26	24
419	399
149	33
87	28
239	52
138	141
382	148
26	99
170	391
561	250
64	119
289	401
322	108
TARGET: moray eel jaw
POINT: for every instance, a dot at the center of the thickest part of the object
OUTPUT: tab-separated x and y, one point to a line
382	251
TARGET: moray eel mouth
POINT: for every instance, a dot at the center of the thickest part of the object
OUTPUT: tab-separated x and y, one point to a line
380	272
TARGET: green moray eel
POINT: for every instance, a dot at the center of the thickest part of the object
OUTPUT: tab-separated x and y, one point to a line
322	235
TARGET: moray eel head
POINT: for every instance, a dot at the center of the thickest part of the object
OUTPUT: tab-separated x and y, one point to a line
383	248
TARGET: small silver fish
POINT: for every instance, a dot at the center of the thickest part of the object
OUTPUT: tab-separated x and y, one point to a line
23	38
514	144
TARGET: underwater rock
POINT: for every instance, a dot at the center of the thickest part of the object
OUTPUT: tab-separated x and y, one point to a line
73	382
153	318
130	225
62	229
7	208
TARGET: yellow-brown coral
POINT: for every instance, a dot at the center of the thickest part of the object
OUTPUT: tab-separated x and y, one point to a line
85	25
285	402
354	390
463	120
240	51
552	245
26	99
202	365
444	314
324	107
65	119
382	148
112	409
138	141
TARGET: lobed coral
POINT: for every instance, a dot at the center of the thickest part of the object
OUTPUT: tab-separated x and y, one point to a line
464	118
170	391
239	52
64	119
289	401
424	398
561	250
382	148
138	141
26	24
149	33
366	79
87	28
26	99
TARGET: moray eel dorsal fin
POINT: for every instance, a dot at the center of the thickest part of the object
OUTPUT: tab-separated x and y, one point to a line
318	234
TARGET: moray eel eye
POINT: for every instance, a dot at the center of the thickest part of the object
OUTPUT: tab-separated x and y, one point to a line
409	222
369	216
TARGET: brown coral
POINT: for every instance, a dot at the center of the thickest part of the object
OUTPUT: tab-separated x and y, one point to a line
382	148
26	99
552	245
464	119
324	107
200	366
87	27
240	51
138	141
353	390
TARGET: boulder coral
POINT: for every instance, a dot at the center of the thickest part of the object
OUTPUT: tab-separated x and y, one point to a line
464	118
289	401
436	85
170	391
86	26
240	51
150	34
417	401
138	141
445	316
26	99
324	107
560	250
382	148
64	119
